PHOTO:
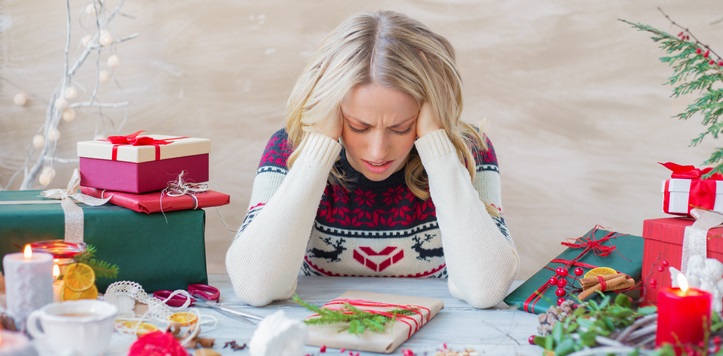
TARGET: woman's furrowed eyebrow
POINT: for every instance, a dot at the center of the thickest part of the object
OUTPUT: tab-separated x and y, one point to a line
362	122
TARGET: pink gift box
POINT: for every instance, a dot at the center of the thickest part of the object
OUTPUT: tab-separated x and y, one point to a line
144	167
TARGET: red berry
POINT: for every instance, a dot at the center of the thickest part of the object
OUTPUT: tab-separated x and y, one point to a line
720	63
698	51
560	301
322	349
711	62
444	345
716	339
664	263
342	350
579	271
653	283
562	283
553	281
531	339
716	349
707	53
560	292
661	268
561	271
407	352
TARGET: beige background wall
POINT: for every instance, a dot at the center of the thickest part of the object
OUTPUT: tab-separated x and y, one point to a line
578	112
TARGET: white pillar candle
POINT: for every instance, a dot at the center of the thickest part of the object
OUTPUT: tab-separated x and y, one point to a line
28	282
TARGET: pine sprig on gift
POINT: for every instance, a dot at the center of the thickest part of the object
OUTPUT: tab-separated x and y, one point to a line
101	268
357	320
697	68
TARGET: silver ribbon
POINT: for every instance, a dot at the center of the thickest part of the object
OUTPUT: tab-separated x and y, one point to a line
695	238
73	213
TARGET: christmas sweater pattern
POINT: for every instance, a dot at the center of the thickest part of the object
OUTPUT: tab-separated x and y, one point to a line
371	228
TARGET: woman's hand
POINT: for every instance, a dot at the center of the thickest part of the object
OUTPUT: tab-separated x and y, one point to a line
427	120
331	126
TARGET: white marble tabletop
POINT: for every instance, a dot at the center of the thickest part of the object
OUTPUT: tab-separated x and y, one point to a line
496	331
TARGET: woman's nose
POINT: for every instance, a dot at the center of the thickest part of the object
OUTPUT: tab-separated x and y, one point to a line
377	146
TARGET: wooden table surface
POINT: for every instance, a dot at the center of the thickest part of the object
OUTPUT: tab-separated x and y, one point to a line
496	331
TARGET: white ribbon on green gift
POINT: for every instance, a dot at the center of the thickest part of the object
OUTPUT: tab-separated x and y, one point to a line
74	218
695	238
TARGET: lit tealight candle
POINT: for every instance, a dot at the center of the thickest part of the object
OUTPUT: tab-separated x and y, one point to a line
683	315
28	282
57	284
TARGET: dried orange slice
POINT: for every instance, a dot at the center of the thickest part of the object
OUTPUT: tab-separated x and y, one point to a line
142	329
183	318
78	277
69	294
600	271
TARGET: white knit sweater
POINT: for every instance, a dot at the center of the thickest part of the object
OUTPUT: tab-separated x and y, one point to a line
297	223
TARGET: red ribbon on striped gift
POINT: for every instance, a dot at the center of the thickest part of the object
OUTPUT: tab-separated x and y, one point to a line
409	320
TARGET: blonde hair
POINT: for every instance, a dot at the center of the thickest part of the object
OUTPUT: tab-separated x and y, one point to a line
393	50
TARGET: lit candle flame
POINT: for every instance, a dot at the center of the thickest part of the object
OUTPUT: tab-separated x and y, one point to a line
28	252
682	282
56	271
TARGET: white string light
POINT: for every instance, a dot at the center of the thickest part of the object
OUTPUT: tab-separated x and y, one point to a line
62	105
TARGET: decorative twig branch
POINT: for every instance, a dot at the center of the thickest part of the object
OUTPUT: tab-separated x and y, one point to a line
59	108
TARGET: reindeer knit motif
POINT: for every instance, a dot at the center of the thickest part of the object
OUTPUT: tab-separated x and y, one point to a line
372	228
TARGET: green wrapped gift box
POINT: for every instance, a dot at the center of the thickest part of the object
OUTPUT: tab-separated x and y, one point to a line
597	248
156	251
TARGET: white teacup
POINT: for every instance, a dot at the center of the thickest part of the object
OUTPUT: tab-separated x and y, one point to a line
79	327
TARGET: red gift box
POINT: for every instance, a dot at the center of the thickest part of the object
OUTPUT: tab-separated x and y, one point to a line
151	202
686	189
142	164
664	248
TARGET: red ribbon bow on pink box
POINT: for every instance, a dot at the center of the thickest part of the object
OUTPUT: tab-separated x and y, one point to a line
134	140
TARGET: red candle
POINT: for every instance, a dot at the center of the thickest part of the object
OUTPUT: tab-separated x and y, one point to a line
683	315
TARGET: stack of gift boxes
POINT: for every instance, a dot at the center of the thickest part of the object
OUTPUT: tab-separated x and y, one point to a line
153	227
647	259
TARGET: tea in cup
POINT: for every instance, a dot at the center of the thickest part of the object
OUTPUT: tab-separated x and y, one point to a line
78	327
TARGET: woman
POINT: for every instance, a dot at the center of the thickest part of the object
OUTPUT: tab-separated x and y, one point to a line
375	174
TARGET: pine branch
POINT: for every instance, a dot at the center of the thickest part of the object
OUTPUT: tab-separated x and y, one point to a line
697	69
101	268
357	320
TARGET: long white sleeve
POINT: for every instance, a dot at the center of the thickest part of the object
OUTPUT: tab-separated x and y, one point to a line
481	261
264	259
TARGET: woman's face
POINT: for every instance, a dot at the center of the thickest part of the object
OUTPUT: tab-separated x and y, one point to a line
379	129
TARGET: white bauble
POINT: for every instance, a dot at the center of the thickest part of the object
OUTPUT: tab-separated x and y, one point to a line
103	76
20	99
38	141
71	92
113	61
69	114
105	38
53	134
46	176
61	104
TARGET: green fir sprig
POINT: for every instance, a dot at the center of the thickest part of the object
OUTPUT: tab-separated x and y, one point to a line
610	327
101	268
697	69
358	321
